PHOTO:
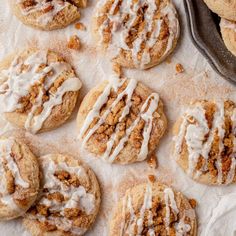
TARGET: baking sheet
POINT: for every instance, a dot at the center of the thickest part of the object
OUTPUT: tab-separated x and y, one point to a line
204	27
198	81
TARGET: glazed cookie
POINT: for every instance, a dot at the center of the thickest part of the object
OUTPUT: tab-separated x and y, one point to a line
228	31
224	8
47	14
140	34
121	121
19	179
69	200
38	90
153	209
205	142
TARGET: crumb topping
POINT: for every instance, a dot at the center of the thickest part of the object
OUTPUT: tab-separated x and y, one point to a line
138	28
46	10
122	117
207	133
66	202
34	84
156	215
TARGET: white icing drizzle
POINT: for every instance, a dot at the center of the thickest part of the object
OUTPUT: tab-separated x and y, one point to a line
5	152
146	113
138	219
170	204
181	228
195	136
228	24
148	118
219	122
174	30
134	220
147	205
76	197
231	173
41	6
15	84
120	30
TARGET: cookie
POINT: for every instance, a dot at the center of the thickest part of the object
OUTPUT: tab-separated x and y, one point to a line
224	8
228	31
47	15
19	179
121	121
38	90
138	34
205	142
153	209
69	198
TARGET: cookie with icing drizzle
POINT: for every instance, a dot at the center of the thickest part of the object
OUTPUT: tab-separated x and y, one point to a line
38	90
228	31
19	179
68	201
153	209
224	8
205	142
121	121
138	34
47	14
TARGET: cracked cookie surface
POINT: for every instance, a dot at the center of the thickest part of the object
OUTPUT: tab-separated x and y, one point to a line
205	142
121	121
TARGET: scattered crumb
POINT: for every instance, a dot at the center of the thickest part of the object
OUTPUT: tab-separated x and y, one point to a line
179	68
193	203
152	161
117	69
152	178
80	26
191	119
74	43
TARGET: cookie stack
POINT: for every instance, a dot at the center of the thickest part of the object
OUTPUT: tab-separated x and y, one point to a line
227	11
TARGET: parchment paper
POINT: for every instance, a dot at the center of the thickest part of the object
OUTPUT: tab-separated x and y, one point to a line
197	82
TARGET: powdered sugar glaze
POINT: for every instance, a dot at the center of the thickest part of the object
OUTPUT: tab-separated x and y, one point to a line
194	129
146	113
76	197
16	84
134	224
120	30
42	6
